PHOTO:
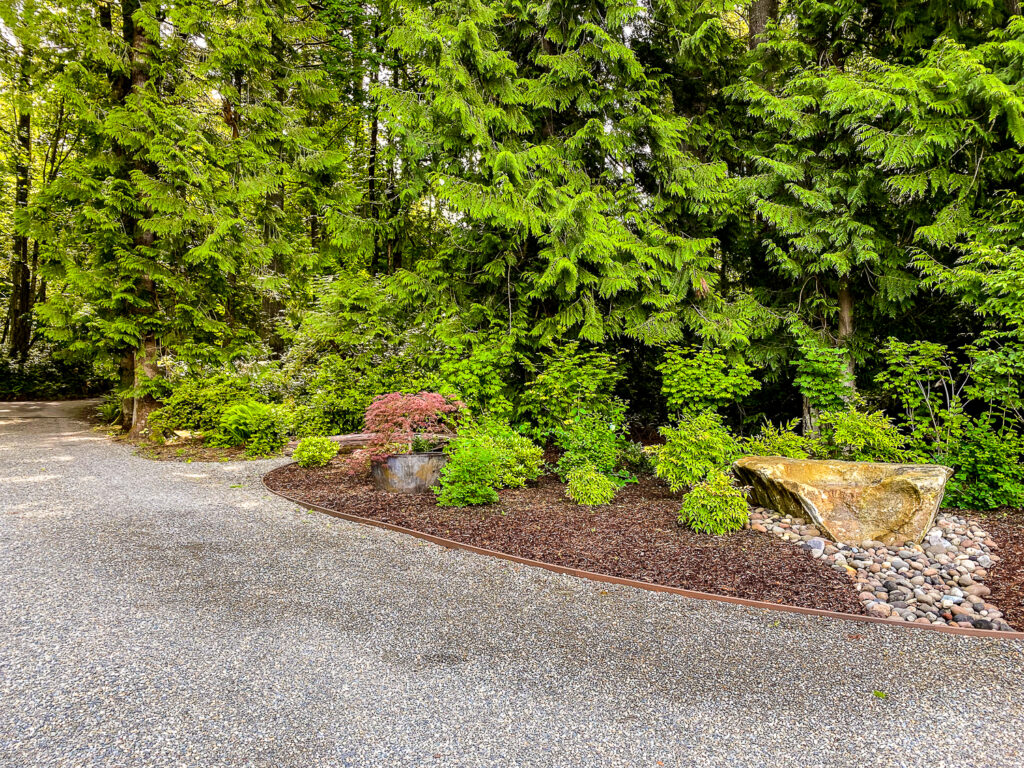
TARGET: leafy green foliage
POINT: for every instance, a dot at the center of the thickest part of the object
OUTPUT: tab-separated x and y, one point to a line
197	403
697	447
696	380
781	440
470	476
715	505
853	435
589	440
315	452
261	428
518	460
588	486
989	466
636	458
570	382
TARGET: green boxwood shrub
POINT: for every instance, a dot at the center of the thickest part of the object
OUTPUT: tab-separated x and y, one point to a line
588	486
715	506
315	451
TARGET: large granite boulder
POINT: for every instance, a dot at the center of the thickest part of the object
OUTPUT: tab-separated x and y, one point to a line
852	501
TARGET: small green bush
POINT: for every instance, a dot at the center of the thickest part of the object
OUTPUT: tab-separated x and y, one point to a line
989	467
696	380
636	458
570	382
315	451
196	404
782	440
519	460
261	428
590	439
853	435
587	486
469	476
715	506
694	449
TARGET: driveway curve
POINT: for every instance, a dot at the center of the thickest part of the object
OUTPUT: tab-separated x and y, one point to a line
165	614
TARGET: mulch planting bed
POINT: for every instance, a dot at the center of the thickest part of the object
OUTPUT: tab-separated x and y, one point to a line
1007	576
635	537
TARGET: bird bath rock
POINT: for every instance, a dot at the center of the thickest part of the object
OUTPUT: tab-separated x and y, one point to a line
852	501
408	472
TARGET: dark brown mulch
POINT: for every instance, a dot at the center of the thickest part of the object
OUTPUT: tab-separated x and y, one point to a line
185	451
1006	578
636	537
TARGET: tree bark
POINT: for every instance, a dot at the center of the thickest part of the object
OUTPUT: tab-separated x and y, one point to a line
21	275
146	355
759	14
845	333
146	369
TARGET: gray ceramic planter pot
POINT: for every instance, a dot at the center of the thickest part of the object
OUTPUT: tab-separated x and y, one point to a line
408	472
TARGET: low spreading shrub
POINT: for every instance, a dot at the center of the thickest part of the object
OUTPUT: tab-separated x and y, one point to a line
261	428
695	448
590	439
587	486
637	459
715	505
854	435
470	476
782	440
989	466
518	459
196	404
315	451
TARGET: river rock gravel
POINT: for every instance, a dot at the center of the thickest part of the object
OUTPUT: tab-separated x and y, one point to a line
171	614
940	581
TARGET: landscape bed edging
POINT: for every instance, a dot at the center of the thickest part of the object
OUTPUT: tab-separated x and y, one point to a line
601	577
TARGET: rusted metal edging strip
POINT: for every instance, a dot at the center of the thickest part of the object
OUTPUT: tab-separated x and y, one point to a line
592	576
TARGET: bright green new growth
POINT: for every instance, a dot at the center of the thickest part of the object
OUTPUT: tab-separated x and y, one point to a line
715	506
315	451
695	448
696	380
782	440
587	486
469	477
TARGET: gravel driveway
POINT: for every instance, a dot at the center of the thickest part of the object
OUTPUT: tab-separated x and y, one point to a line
179	615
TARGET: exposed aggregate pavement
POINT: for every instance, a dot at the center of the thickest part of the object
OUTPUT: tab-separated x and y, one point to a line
170	614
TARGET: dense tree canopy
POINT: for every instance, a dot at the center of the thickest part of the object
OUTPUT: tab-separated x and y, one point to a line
457	192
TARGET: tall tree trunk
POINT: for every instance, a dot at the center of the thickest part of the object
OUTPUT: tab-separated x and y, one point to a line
845	334
21	276
146	355
759	14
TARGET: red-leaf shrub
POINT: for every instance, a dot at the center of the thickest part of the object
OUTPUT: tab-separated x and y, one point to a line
395	419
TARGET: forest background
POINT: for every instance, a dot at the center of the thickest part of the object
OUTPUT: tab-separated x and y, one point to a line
769	210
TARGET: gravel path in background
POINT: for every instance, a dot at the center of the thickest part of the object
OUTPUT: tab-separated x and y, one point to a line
164	614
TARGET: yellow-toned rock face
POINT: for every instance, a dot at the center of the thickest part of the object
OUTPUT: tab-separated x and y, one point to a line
852	501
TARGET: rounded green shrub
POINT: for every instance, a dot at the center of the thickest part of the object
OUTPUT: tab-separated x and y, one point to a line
715	506
590	487
697	447
315	451
469	476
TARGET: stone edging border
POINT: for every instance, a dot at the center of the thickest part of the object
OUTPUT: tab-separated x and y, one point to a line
592	576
